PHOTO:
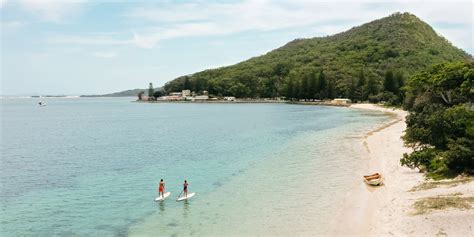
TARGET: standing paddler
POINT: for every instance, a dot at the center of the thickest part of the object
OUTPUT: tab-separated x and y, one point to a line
161	188
185	188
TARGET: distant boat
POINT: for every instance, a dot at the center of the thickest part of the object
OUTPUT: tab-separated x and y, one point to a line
375	179
41	103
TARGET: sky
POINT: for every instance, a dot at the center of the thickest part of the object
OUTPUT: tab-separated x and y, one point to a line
80	47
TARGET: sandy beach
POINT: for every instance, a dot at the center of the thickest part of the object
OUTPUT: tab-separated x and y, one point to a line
407	204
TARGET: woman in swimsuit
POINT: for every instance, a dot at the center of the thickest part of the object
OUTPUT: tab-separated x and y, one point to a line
161	189
185	188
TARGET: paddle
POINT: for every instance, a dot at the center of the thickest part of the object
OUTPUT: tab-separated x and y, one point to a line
179	195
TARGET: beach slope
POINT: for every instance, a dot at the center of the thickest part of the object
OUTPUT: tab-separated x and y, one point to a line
406	205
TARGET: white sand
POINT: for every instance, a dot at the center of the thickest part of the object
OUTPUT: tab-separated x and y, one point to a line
388	210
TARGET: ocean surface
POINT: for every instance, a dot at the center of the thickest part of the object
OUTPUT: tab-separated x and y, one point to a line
90	167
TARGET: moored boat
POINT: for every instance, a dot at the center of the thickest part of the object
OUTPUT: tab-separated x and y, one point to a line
375	179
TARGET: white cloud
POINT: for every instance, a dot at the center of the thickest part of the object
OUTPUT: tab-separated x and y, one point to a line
3	3
89	39
187	20
52	10
104	54
12	25
177	20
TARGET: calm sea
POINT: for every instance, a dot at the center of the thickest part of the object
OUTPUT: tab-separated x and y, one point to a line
90	167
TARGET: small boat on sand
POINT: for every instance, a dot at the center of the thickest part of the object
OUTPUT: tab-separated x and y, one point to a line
375	179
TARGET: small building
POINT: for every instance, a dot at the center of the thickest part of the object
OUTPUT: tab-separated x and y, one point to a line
229	98
341	101
185	93
173	98
175	94
201	97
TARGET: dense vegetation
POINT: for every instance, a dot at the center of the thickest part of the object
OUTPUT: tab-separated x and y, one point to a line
369	62
440	126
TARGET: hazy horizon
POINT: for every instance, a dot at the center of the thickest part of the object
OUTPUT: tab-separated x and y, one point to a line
81	47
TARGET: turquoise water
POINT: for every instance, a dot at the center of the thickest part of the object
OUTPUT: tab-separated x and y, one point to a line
89	167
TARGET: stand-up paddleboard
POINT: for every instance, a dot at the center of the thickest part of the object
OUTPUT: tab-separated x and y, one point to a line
182	198
160	198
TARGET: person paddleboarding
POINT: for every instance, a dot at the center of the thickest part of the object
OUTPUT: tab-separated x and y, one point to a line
185	188
185	193
161	188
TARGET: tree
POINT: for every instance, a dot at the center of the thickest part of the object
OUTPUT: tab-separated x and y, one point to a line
140	95
150	91
199	85
351	90
322	85
372	87
305	94
360	91
313	84
389	83
299	92
440	126
268	87
442	138
280	71
448	84
290	89
239	90
331	90
187	83
400	80
158	93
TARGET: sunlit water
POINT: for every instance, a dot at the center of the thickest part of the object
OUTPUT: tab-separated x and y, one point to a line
89	167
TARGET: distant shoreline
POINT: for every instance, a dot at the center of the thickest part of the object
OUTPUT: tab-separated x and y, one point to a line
322	103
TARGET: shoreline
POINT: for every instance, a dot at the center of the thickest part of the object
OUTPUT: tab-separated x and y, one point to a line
389	209
252	101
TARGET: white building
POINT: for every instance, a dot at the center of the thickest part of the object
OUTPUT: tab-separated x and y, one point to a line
341	101
201	97
185	93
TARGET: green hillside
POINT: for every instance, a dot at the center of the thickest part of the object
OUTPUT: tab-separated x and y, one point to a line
350	64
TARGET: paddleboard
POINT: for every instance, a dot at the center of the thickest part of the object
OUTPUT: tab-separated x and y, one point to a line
165	195
182	198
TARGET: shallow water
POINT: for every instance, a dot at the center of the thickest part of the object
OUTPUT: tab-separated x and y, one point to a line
91	166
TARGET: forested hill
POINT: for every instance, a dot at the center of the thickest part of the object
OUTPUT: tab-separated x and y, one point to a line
350	64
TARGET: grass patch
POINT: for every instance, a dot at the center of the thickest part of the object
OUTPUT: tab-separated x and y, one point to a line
435	184
429	204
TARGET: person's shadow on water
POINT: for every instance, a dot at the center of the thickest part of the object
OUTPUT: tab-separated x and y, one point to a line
185	208
162	206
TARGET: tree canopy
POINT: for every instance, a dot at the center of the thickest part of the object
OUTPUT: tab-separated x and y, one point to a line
440	126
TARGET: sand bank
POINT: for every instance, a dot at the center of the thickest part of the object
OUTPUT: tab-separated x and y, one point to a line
396	208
